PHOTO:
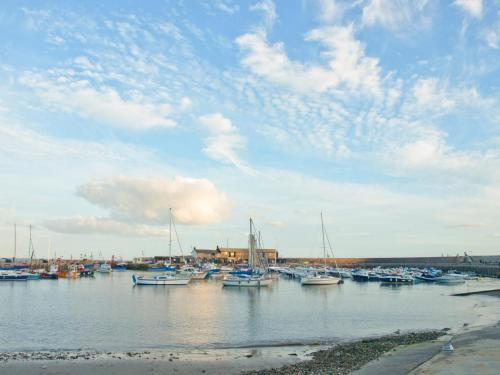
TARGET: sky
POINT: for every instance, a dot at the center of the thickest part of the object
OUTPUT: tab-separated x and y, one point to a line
384	115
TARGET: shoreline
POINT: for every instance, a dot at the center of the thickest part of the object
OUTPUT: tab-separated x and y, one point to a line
263	360
369	355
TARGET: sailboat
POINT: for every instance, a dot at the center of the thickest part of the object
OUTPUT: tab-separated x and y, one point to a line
258	276
320	278
165	278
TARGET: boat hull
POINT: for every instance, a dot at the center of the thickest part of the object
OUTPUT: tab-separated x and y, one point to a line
320	280
13	277
159	280
247	282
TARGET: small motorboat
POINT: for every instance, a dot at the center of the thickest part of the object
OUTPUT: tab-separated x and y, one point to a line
320	279
396	278
49	276
165	279
247	281
104	268
13	276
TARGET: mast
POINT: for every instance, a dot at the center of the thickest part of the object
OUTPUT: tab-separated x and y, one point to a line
170	237
15	244
324	245
250	247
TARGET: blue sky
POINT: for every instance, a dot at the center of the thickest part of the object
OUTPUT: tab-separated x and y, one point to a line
384	115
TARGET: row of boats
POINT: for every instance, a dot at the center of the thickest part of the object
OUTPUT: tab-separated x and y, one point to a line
74	271
384	275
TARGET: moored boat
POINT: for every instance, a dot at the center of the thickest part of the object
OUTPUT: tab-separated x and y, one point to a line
255	275
320	279
166	279
119	267
170	278
13	276
49	276
104	268
396	278
247	281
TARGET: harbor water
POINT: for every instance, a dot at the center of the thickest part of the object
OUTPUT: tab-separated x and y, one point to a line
107	313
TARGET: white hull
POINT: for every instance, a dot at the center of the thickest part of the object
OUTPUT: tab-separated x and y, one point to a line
247	282
159	280
315	280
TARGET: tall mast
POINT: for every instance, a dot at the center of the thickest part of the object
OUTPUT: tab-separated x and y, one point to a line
15	244
324	246
170	237
250	245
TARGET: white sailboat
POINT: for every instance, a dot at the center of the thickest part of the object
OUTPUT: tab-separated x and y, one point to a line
255	263
167	278
318	278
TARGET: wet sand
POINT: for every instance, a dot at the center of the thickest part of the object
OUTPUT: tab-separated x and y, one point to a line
214	361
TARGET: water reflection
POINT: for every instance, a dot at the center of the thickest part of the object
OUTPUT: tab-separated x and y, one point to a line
108	313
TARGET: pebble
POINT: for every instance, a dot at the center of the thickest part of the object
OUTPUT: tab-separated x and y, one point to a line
345	358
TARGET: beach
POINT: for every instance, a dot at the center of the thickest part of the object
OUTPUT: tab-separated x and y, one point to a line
476	351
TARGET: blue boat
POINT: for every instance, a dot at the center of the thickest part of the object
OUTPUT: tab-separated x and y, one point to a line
119	267
242	271
364	275
13	276
14	267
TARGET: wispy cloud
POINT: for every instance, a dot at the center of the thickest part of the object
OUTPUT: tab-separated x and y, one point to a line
103	226
224	141
395	14
103	104
472	7
346	65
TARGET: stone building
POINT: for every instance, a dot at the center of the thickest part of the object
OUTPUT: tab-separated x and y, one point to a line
231	254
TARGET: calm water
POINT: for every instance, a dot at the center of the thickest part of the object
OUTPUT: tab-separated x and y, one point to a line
107	313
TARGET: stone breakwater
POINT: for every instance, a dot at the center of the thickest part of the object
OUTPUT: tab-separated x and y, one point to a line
345	358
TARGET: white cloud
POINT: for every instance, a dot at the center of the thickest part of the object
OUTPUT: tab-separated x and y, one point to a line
224	141
216	123
473	7
492	36
329	10
185	104
345	62
429	154
22	144
227	6
103	226
147	200
102	104
430	94
394	14
269	9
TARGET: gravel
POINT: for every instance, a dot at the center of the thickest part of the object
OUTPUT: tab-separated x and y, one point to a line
345	358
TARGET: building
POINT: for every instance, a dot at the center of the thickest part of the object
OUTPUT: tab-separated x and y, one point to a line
232	254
